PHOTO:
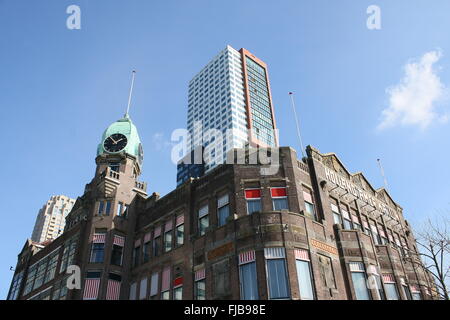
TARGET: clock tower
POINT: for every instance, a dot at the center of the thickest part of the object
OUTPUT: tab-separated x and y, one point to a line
105	213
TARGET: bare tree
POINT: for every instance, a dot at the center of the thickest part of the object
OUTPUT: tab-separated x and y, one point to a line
433	239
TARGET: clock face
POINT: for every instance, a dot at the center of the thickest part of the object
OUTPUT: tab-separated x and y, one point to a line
115	142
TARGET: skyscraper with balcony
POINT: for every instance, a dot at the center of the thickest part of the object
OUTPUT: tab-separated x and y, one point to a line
231	96
51	218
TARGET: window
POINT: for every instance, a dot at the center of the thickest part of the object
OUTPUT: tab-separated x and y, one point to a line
355	220
179	230
108	208
119	209
168	237
101	207
405	288
415	291
279	199
15	286
68	253
178	293
304	277
136	255
97	252
156	241
336	214
51	267
375	282
390	286
247	276
375	236
203	220
143	289
346	217
276	273
154	284
359	280
223	210
165	284
114	166
116	255
133	288
200	285
366	226
309	203
60	289
253	197
146	248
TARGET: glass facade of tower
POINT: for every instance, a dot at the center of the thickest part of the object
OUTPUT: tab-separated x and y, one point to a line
220	100
262	125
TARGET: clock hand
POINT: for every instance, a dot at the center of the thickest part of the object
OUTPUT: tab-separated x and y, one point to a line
114	141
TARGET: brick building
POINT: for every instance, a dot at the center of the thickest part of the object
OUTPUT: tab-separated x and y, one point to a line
312	230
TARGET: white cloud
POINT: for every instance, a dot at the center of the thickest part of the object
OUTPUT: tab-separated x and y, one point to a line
414	100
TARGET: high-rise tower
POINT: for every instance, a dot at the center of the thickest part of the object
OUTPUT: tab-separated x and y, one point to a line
231	94
51	218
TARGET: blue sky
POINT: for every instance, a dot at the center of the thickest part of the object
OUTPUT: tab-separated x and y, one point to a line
60	88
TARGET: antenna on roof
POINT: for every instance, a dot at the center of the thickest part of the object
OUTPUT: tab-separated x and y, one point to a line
382	174
133	73
297	123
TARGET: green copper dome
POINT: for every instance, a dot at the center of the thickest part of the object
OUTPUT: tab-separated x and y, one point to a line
126	127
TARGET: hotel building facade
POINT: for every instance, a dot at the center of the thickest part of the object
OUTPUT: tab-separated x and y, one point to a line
308	230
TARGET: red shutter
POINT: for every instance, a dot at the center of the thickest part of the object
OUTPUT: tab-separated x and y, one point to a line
278	192
178	282
253	194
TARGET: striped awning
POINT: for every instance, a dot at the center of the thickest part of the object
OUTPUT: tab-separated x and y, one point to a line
91	289
180	220
147	237
301	254
356	266
246	257
113	290
199	275
119	240
388	278
99	238
274	253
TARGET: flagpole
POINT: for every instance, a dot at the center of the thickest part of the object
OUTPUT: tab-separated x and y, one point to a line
291	94
133	73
